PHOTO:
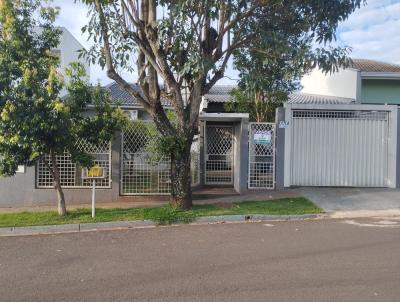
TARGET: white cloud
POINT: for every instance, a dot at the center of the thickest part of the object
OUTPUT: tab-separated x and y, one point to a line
373	31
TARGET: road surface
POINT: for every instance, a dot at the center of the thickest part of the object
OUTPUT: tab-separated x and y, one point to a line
320	260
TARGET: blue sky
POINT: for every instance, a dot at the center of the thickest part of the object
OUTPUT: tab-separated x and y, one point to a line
372	31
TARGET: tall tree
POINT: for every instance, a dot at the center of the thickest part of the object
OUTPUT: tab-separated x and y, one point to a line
271	68
186	45
35	123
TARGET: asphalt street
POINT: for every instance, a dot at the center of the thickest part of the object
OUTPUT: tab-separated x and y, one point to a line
317	260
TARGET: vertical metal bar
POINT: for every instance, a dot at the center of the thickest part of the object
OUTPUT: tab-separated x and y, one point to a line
250	150
273	127
94	199
121	171
205	152
232	155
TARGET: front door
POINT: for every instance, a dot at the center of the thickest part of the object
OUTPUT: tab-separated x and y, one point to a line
219	155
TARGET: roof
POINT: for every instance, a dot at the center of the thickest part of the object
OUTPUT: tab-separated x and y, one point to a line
121	97
219	94
365	65
306	98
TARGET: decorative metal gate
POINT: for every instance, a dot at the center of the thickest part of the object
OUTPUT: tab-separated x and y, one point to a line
219	154
261	156
141	172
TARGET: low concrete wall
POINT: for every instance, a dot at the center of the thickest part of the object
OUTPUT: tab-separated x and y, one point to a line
20	190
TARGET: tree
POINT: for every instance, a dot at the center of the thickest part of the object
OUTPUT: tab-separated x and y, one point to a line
271	68
35	123
186	45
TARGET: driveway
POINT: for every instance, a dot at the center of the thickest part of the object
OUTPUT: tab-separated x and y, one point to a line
353	199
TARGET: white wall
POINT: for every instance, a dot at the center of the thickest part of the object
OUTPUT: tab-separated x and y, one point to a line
343	83
69	47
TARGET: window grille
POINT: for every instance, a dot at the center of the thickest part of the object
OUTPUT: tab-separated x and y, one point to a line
332	114
71	173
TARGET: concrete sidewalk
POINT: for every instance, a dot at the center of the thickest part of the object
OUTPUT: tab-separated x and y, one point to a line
352	199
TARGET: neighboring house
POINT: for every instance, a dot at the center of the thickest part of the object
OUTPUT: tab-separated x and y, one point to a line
365	82
68	51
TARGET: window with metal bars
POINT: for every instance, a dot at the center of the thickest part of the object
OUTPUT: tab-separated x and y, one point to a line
335	114
71	173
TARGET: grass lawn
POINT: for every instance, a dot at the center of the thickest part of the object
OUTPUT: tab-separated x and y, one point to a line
164	214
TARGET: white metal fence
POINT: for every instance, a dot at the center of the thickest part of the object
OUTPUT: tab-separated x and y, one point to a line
71	173
142	173
261	156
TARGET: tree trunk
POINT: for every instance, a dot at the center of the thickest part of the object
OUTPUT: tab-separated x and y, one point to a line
57	185
181	190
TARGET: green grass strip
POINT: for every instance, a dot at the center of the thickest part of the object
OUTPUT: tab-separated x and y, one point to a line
163	214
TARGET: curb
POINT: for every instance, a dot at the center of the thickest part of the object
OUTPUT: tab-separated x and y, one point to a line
120	225
252	218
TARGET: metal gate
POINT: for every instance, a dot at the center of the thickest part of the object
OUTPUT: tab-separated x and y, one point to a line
141	172
219	154
339	148
261	156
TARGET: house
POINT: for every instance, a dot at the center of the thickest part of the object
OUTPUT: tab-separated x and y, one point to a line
341	130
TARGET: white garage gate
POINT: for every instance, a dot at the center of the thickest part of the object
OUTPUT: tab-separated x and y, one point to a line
339	148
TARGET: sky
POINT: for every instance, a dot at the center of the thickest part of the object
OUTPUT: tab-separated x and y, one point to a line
373	32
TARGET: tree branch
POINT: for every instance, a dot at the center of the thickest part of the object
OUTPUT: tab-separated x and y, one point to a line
111	72
219	74
233	22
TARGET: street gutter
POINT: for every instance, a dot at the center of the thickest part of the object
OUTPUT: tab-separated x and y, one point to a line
139	224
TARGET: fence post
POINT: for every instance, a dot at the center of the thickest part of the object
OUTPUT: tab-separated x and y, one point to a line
279	149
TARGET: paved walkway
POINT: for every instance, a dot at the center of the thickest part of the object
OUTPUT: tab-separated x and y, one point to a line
353	199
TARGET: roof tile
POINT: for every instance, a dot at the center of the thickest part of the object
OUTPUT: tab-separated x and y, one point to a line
374	66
